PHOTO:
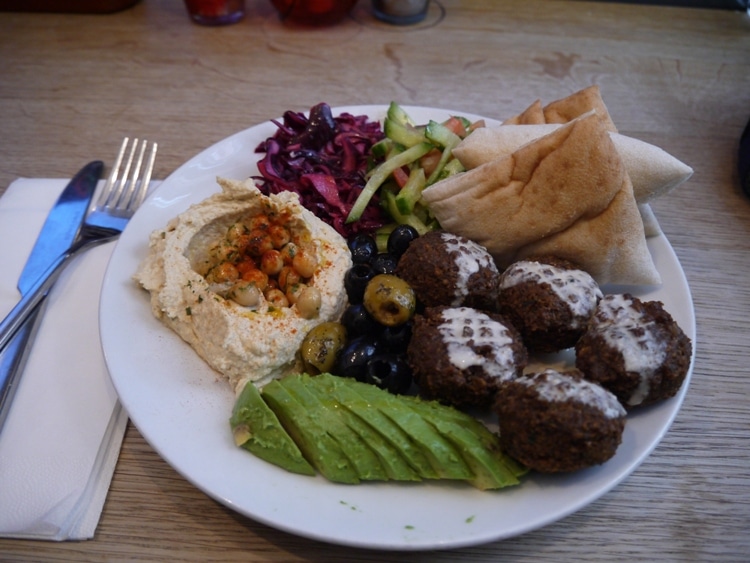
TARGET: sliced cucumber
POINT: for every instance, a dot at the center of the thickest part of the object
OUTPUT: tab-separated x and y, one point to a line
410	193
440	135
398	114
380	175
406	135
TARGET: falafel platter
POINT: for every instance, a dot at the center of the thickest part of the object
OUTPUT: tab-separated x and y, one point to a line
437	329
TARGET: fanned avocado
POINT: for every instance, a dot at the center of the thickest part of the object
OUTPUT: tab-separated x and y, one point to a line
366	463
401	459
443	456
351	431
322	451
257	429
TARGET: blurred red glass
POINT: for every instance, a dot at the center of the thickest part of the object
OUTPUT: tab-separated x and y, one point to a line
215	12
313	12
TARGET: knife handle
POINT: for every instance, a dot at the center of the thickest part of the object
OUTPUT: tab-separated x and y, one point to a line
13	359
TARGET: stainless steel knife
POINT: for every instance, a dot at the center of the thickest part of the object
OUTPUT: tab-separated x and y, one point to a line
59	231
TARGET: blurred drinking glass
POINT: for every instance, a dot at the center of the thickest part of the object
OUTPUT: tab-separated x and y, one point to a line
400	12
313	12
215	12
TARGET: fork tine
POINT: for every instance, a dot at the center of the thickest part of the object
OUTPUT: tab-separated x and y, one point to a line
105	196
140	195
129	184
115	196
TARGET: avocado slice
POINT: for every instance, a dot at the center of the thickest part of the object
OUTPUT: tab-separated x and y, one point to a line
489	471
344	391
257	429
366	463
444	458
442	454
318	447
395	465
480	447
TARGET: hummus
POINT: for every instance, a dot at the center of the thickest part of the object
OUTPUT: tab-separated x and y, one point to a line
257	343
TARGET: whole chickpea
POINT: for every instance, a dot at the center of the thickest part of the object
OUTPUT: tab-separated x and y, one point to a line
271	262
305	262
276	298
260	279
293	292
245	293
224	272
309	302
288	252
280	235
259	243
259	222
288	276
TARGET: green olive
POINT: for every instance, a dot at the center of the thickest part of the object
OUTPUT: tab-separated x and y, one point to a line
390	300
321	346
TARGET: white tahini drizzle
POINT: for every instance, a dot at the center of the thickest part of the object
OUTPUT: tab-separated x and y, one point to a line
625	330
553	386
469	258
574	287
465	329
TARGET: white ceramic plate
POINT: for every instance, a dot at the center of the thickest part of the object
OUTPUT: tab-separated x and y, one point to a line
182	409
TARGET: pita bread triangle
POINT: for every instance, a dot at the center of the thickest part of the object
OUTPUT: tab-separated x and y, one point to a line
566	109
653	171
566	193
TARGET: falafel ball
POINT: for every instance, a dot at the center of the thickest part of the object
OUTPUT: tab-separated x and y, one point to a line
450	270
460	355
549	301
635	349
555	421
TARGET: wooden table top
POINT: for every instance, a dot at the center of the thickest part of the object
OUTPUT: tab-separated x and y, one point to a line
71	86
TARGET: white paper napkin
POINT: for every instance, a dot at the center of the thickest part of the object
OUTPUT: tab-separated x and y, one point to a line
61	440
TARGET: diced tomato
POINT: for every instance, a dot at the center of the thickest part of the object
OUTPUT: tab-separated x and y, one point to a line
456	125
430	161
401	176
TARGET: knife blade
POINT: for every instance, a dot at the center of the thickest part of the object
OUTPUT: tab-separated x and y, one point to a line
62	224
58	232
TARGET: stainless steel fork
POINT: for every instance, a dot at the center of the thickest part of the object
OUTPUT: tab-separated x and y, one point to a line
122	194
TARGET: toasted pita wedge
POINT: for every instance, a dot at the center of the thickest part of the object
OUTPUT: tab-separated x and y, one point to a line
533	115
566	192
566	109
653	171
578	103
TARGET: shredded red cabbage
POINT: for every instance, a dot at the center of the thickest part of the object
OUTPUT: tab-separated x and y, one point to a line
324	160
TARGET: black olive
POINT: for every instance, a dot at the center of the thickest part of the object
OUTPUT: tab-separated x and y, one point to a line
363	248
355	281
352	361
384	263
396	338
389	372
358	321
400	239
